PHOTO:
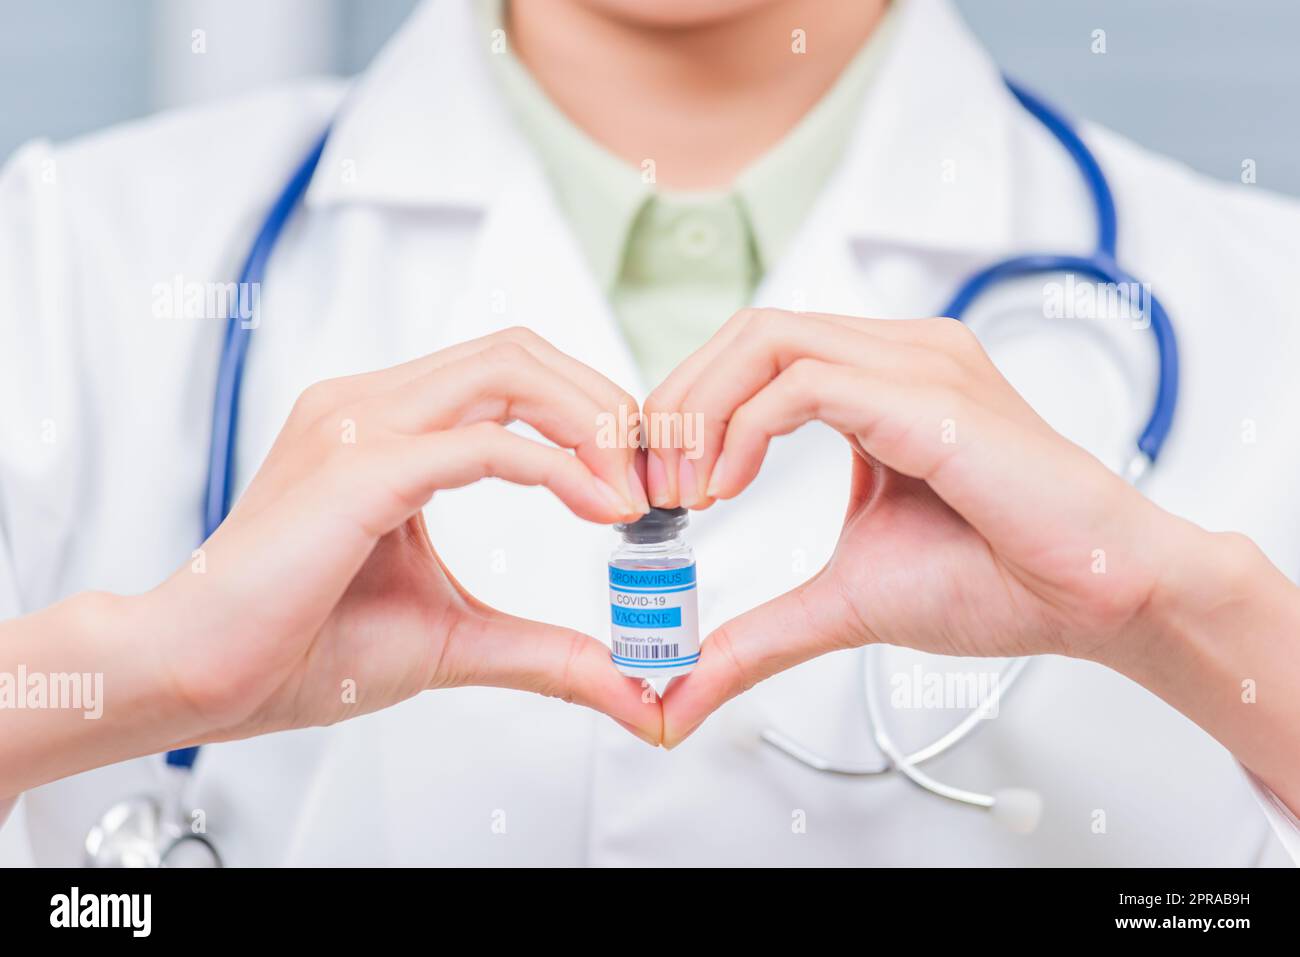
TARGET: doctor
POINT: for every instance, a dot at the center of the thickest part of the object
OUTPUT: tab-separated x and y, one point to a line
492	236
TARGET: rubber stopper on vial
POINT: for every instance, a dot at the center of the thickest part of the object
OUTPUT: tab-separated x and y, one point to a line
656	525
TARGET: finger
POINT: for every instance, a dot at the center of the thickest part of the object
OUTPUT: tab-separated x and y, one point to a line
344	390
672	391
966	358
763	342
807	390
998	474
775	636
389	482
506	382
507	652
769	342
328	396
613	400
935	353
669	466
601	389
351	388
663	462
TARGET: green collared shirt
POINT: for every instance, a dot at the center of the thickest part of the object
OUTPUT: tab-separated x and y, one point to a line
676	265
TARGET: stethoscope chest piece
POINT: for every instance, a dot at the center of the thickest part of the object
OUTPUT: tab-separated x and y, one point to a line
137	832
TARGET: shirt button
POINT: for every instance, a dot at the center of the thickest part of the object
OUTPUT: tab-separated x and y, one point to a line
697	238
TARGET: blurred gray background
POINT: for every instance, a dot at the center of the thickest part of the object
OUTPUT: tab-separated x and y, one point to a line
1213	82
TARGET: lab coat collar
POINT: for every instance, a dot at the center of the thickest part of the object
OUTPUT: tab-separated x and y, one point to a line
928	166
423	126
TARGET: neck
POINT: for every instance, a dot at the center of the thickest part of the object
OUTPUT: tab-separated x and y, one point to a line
703	99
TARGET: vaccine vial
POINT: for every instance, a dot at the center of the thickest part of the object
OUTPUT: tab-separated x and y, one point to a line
655	621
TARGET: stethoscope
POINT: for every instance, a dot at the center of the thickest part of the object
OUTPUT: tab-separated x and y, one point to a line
153	830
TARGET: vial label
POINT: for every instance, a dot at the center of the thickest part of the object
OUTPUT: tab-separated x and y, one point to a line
654	619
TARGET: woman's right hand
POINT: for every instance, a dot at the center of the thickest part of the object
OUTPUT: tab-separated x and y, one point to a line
323	578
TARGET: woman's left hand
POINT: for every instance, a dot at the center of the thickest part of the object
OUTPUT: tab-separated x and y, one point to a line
973	528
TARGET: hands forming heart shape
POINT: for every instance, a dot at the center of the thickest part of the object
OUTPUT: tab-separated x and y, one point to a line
972	529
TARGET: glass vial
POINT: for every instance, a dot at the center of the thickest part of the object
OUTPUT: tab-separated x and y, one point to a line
655	621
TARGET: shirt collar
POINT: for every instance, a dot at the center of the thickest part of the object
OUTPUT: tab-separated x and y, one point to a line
927	164
780	187
602	194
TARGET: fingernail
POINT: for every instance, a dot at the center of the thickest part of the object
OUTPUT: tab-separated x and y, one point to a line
688	492
657	479
633	729
616	502
715	477
635	491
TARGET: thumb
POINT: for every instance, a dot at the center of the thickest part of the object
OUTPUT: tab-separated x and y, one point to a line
503	651
802	624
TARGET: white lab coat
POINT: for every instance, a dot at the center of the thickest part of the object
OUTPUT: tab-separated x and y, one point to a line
429	222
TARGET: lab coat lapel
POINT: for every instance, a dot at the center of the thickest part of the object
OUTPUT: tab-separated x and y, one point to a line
528	270
821	273
913	204
426	130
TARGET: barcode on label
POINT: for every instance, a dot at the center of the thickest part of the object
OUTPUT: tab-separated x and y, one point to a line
646	652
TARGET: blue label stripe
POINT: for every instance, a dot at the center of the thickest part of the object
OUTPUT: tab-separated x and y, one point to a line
646	617
652	577
669	663
651	591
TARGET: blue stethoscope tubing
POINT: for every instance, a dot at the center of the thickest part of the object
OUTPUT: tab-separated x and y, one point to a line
230	371
1100	265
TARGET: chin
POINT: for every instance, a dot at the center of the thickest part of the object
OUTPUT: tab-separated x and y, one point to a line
668	14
